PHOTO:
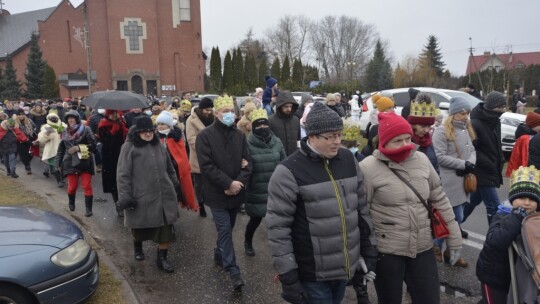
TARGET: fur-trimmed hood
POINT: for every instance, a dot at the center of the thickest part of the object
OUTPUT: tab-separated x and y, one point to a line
33	112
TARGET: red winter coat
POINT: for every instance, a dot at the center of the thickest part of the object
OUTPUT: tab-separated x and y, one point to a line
520	154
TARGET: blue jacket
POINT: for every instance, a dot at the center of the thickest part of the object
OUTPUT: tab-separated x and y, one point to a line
429	151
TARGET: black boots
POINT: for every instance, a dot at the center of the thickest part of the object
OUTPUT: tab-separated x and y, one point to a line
58	176
202	211
88	204
138	251
248	247
162	262
237	282
71	203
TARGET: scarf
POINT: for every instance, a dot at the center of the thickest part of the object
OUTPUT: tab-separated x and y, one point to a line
58	127
73	132
115	126
205	120
398	155
424	141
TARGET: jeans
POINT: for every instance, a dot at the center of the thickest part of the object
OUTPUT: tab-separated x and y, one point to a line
10	161
458	212
325	292
420	275
490	198
225	220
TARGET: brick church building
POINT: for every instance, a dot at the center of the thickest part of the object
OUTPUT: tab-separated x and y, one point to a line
144	46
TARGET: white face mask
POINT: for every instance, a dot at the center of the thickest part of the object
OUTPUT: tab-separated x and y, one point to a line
174	122
164	132
101	111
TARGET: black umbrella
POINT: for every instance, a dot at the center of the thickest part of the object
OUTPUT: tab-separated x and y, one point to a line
115	100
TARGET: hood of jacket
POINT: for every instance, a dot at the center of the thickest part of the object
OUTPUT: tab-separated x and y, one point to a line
285	97
481	113
522	129
137	141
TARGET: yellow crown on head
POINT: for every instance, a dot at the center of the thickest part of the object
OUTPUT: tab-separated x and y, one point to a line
222	102
351	130
185	105
258	114
526	174
423	109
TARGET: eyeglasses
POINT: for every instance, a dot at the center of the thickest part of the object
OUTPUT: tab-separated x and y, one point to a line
332	137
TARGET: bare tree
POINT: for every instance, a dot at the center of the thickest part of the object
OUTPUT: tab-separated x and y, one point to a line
289	37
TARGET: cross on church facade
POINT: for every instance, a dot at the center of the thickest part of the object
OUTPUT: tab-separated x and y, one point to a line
1	6
133	30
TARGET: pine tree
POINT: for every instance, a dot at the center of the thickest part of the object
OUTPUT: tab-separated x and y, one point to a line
234	61
250	73
35	69
215	71
263	71
50	83
228	84
311	73
286	72
12	85
275	70
297	75
238	68
378	71
431	57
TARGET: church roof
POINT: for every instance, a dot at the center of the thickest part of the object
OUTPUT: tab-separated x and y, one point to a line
16	30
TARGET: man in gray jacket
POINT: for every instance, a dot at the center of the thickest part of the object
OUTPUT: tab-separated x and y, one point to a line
319	226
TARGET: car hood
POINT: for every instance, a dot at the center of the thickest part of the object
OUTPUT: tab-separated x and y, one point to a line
28	226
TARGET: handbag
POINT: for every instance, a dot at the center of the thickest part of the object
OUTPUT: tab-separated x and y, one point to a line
439	229
469	180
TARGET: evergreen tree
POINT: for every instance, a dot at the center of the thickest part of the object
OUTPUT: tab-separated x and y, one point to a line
431	57
35	69
51	87
275	70
12	89
234	66
238	68
263	71
378	71
250	73
215	71
2	81
228	81
311	73
297	75
286	72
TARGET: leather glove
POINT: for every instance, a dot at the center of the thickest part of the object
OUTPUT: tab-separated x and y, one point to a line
469	167
460	173
292	290
73	150
367	275
455	254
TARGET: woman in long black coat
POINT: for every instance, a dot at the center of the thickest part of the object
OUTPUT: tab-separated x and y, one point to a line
112	133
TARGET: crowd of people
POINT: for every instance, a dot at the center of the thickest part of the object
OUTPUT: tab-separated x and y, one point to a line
337	214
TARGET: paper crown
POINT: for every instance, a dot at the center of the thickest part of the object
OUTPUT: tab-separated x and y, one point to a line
526	174
185	105
351	130
84	152
423	109
258	114
222	102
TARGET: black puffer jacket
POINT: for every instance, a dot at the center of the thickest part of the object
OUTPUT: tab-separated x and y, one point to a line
286	128
220	150
534	151
67	161
489	156
492	267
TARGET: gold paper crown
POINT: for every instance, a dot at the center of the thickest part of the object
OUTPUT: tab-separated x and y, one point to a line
258	114
222	102
185	105
526	174
351	130
83	150
423	109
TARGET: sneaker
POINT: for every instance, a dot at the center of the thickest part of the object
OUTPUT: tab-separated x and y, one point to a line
237	282
438	254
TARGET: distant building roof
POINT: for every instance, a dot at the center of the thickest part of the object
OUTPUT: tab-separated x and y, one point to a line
510	60
16	30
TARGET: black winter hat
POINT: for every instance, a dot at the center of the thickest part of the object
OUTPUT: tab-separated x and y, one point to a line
322	119
20	112
74	114
412	93
143	123
206	103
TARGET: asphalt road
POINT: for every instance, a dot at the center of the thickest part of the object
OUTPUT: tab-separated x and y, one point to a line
197	279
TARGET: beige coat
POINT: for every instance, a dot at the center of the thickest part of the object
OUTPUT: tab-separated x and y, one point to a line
400	220
194	126
49	142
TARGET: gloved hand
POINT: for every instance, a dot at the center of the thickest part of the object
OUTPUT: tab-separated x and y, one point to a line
368	275
121	205
469	167
520	211
73	150
292	288
460	173
455	254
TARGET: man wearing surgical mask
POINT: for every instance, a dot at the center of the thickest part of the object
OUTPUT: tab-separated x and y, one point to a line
225	167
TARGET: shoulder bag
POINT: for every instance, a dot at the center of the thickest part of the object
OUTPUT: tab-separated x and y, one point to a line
439	229
469	180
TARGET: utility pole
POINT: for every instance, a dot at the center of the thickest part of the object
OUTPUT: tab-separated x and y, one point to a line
475	67
87	47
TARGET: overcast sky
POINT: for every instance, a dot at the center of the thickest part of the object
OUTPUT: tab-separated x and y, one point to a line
494	25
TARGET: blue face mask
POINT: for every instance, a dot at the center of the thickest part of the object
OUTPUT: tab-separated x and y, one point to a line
228	119
353	149
149	113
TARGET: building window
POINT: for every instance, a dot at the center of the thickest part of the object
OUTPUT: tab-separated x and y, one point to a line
122	85
185	10
133	30
520	65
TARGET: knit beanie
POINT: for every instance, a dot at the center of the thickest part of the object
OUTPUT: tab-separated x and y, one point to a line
423	110
494	100
330	97
306	98
270	81
206	103
165	118
532	120
525	183
322	119
392	125
384	103
458	104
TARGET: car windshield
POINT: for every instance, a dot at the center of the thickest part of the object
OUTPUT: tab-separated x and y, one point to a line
510	121
471	99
